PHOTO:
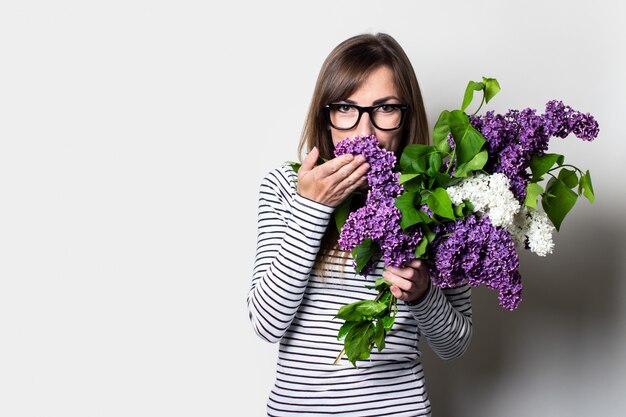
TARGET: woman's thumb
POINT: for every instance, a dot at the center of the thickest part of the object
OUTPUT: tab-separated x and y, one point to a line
309	161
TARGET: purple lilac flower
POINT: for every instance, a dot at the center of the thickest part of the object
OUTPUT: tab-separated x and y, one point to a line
379	218
382	162
533	135
472	250
513	138
499	130
562	120
513	163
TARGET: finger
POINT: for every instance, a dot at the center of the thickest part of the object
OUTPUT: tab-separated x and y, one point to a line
334	165
397	292
344	172
355	181
401	294
352	174
397	281
416	264
309	162
406	272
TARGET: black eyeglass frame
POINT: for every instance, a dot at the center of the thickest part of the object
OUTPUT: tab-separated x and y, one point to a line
366	109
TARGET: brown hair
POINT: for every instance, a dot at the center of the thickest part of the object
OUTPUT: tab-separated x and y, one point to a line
342	73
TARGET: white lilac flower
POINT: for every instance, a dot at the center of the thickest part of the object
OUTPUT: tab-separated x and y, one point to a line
519	227
490	195
539	233
532	229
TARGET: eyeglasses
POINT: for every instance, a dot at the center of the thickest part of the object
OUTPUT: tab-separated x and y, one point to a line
384	116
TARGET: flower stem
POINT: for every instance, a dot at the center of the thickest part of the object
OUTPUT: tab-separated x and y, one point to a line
481	104
565	165
339	356
452	157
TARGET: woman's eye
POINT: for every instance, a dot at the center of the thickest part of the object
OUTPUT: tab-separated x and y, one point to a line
345	108
385	108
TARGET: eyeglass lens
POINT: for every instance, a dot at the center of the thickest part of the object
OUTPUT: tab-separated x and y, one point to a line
383	116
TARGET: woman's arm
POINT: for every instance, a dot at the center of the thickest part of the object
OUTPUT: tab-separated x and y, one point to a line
444	317
290	229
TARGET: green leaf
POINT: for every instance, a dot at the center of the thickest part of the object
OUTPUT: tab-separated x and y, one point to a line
385	297
444	180
557	201
414	184
342	211
405	202
469	93
380	284
464	209
364	253
468	140
361	310
532	191
379	335
345	329
358	342
587	187
347	312
458	211
428	234
424	217
414	158
477	163
440	132
439	202
458	122
569	177
539	165
295	166
420	250
407	177
434	163
388	322
370	308
492	87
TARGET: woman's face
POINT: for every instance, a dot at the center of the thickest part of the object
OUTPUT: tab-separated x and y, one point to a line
378	88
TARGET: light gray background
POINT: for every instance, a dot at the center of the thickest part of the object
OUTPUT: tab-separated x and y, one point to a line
134	135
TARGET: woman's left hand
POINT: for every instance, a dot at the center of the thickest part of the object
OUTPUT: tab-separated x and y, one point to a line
409	283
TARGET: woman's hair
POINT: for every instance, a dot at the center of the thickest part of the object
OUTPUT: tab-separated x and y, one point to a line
343	72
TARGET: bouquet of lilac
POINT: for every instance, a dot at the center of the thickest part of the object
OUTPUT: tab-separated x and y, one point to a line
465	204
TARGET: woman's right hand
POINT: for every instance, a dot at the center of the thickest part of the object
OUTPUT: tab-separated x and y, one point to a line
333	181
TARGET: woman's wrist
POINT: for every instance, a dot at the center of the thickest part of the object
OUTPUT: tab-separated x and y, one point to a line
421	297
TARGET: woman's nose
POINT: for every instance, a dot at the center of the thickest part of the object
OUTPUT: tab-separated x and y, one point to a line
365	126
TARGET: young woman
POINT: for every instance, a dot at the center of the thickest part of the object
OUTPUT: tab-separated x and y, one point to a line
366	86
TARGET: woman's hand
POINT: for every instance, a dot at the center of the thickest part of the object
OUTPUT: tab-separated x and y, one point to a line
331	182
409	283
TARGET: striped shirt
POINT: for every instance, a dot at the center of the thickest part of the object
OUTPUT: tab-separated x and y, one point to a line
290	304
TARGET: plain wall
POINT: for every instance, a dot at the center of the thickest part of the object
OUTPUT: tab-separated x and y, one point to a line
134	135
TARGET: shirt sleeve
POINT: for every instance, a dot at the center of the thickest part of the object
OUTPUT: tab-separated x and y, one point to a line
444	318
289	234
